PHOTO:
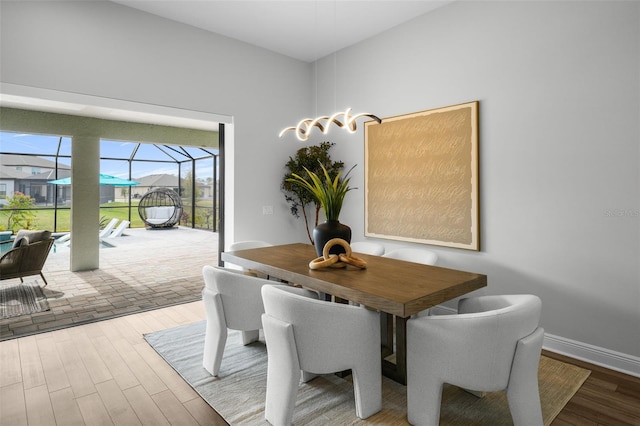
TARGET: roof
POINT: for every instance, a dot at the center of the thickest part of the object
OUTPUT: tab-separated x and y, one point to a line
16	160
159	180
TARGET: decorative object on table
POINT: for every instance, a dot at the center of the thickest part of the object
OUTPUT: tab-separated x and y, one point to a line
432	155
330	192
324	122
337	261
160	208
299	197
22	299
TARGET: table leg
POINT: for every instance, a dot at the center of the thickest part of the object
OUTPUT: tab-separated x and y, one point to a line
386	334
398	370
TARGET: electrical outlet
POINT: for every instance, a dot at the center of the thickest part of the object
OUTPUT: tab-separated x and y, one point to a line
267	209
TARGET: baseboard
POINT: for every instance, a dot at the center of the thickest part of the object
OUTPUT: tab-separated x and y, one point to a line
617	361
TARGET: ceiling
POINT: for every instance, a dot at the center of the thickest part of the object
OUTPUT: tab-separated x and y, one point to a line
302	29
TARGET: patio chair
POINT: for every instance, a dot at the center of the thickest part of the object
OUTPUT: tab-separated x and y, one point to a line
119	230
160	208
65	240
27	256
107	229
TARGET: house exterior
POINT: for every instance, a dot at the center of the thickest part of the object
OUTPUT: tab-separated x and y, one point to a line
29	174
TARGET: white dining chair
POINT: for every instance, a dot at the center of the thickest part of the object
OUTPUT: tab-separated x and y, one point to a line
367	247
307	335
415	255
492	344
232	300
245	245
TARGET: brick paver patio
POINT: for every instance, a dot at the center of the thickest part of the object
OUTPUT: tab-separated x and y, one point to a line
146	269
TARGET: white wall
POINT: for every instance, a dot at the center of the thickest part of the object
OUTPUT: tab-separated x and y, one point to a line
559	89
107	50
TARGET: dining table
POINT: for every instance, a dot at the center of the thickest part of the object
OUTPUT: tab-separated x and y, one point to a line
397	289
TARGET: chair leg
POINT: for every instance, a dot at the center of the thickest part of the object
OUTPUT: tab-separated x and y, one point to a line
367	387
522	392
250	336
44	279
283	372
424	398
215	337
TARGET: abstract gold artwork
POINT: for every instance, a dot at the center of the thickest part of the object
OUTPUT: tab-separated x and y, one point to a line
421	177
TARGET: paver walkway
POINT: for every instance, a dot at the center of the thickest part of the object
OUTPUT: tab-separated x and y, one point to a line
147	269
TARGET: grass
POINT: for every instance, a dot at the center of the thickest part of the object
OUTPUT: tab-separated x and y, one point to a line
44	218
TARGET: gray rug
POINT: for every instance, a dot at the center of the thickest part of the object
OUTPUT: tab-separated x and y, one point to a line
22	299
239	391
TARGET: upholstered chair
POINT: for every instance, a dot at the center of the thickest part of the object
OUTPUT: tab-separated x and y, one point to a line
307	335
245	245
415	255
232	300
368	247
492	344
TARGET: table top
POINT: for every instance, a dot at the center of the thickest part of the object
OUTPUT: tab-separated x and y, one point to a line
389	285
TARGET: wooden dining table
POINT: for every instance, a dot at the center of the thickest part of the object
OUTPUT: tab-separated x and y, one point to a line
396	288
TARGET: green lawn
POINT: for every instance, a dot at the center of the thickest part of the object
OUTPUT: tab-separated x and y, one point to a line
44	218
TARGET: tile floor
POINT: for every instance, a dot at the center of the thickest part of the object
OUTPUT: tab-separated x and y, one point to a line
146	269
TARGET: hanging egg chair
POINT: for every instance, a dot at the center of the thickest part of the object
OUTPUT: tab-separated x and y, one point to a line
160	208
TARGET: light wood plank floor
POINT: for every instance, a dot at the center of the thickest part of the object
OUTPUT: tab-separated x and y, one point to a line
105	373
102	373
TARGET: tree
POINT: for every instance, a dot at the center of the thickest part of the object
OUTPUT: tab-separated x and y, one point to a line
187	184
18	218
313	158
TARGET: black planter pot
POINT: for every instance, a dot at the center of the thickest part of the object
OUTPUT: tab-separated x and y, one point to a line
327	231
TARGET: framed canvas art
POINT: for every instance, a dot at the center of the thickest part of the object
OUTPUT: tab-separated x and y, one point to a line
421	177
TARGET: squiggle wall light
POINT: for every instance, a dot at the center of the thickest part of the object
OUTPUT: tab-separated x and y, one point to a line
323	123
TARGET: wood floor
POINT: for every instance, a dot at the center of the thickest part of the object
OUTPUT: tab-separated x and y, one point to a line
105	373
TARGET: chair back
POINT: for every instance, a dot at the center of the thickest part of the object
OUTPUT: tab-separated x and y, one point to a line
26	260
415	255
499	323
492	344
368	247
487	330
248	244
240	295
323	330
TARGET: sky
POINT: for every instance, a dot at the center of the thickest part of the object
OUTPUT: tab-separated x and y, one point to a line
47	146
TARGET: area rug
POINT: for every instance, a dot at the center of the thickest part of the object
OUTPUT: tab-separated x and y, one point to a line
22	299
239	391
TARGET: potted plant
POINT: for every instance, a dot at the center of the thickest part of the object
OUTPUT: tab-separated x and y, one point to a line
298	197
330	192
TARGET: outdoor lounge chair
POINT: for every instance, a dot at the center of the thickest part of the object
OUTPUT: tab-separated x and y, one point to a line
65	240
119	230
107	229
27	256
